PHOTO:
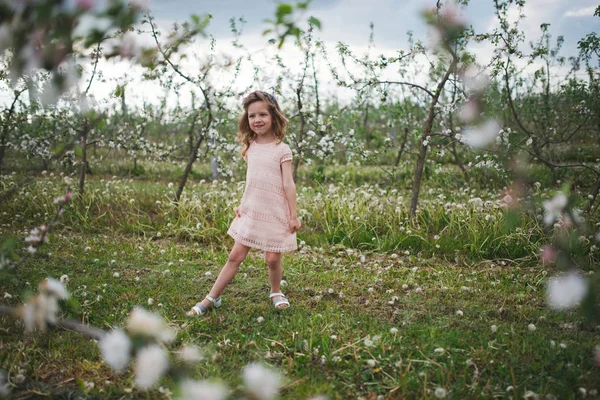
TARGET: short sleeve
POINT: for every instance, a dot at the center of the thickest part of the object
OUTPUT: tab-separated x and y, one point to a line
286	154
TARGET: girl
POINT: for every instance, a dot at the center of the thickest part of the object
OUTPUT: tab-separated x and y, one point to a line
266	218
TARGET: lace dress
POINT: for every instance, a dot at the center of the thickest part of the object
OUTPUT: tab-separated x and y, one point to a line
265	215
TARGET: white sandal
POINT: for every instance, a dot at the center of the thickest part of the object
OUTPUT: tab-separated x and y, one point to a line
281	302
201	309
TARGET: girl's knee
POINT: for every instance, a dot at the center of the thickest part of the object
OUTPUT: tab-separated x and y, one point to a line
273	260
236	258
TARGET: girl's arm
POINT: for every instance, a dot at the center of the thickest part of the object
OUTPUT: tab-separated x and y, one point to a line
289	188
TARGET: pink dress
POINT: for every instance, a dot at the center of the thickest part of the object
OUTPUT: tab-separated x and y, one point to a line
265	215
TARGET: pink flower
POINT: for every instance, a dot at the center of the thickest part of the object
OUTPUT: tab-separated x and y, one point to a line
548	254
85	4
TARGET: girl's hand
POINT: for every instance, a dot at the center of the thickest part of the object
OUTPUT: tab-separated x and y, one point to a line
237	212
295	224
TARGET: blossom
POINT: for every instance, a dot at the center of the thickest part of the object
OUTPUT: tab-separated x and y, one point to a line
144	322
482	135
566	291
469	111
261	381
85	4
393	331
190	354
554	208
115	348
151	363
440	393
194	390
548	254
475	80
531	327
55	288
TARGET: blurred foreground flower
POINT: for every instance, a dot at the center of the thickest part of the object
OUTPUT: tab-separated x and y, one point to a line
566	291
483	135
262	382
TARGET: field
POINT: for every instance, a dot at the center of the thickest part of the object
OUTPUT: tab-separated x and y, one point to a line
454	305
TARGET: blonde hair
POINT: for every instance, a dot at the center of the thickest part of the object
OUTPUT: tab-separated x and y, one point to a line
279	122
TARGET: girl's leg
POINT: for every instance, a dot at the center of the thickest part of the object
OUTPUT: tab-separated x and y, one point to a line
275	272
236	256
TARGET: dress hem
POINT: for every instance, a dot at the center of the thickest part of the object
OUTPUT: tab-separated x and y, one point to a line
249	243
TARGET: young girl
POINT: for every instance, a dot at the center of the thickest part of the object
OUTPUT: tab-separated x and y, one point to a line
266	218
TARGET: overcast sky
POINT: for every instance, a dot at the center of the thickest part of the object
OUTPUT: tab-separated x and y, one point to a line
342	21
348	21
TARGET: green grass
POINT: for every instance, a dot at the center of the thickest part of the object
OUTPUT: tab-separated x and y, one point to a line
463	253
319	342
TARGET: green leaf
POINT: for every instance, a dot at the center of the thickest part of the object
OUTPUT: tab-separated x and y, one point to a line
314	21
267	31
282	10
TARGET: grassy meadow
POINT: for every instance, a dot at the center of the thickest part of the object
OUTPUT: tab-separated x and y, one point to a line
451	306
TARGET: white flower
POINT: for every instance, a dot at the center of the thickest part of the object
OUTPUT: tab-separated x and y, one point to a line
261	381
393	331
371	363
56	288
151	364
116	274
529	141
494	328
468	111
483	135
566	291
150	301
191	354
439	350
146	323
260	320
115	348
64	278
531	327
459	313
554	208
440	393
475	80
368	342
202	390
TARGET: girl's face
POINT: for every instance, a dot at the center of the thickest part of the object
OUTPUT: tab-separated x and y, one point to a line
259	118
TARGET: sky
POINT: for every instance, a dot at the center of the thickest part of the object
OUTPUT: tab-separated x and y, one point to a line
345	21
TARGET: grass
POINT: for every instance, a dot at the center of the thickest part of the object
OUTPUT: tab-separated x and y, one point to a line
363	270
319	343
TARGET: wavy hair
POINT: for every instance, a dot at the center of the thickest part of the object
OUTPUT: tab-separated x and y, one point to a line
279	122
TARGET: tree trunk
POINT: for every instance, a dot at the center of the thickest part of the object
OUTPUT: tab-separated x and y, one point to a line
191	160
416	187
401	150
365	123
83	167
7	127
300	136
459	162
